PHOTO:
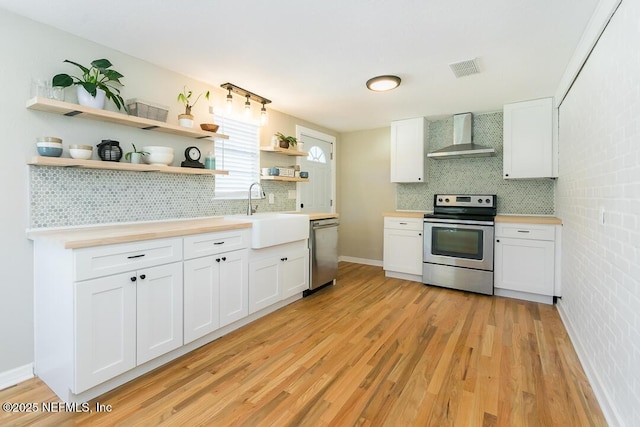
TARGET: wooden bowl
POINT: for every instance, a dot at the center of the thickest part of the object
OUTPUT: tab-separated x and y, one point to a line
209	127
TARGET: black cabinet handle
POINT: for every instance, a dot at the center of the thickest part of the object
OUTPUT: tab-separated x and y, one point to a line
419	234
224	258
524	231
143	276
498	241
218	243
217	259
136	256
284	259
134	278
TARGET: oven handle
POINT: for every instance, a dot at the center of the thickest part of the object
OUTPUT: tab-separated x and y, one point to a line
457	221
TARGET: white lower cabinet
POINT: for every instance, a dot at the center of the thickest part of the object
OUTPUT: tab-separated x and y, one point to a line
215	292
277	273
125	320
525	261
403	246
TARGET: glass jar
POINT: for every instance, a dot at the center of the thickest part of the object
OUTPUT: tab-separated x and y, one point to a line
210	160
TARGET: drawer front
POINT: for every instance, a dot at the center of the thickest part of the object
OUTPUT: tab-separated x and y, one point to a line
398	223
200	245
526	231
112	259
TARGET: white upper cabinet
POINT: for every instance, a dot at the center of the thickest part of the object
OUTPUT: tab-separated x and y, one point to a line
529	143
408	143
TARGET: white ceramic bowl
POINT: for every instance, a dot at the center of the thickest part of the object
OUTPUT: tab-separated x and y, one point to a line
158	158
49	144
48	139
80	151
158	149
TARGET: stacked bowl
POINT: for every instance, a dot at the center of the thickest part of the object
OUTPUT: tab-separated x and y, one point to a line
157	155
49	146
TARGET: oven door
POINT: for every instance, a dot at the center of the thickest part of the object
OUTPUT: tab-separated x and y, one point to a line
459	243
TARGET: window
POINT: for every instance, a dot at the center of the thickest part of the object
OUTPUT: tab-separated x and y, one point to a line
316	155
239	155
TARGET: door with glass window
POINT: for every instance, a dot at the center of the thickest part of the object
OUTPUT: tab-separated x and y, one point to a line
316	195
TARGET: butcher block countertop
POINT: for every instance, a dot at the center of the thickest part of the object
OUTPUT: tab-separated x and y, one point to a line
316	216
528	219
75	238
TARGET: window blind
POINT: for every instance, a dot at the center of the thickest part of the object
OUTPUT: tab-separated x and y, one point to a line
239	155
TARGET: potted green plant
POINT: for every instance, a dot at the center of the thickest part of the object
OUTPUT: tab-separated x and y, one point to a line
135	156
96	83
286	141
186	119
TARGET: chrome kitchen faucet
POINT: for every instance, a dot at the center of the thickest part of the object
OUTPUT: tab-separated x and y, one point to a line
250	210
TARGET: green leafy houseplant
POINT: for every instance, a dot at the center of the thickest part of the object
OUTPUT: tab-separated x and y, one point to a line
286	141
99	76
135	150
185	98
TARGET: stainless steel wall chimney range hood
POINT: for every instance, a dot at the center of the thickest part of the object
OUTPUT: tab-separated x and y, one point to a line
463	145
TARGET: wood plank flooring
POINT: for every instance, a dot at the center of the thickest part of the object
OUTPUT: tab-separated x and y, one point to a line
369	351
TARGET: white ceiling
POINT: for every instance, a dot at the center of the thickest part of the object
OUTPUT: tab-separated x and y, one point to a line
312	58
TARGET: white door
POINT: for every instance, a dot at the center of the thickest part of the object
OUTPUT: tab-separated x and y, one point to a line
318	194
201	297
159	311
105	329
234	284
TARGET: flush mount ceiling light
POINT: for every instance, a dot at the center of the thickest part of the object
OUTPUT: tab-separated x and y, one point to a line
383	83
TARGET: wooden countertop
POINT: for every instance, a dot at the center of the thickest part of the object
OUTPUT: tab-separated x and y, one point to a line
316	216
529	219
405	214
75	238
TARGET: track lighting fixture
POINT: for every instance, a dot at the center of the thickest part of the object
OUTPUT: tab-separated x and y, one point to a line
250	96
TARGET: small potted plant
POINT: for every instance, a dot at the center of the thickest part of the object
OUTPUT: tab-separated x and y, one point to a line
186	119
96	83
286	141
135	156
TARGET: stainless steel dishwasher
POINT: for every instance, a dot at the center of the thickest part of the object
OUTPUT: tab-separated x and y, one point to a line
323	252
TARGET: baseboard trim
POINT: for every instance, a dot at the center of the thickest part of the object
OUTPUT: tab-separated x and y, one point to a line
606	404
16	376
364	261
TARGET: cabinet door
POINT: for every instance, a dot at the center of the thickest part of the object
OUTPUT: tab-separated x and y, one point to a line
525	265
407	150
294	273
234	286
201	297
403	251
105	325
264	288
528	139
159	311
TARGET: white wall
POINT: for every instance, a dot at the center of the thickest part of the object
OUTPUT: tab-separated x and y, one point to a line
600	169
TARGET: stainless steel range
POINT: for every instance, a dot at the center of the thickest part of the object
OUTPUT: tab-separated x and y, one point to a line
458	242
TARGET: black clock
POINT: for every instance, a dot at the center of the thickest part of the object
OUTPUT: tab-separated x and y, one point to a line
192	155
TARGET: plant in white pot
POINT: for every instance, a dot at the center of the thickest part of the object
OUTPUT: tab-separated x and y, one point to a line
97	83
186	119
135	156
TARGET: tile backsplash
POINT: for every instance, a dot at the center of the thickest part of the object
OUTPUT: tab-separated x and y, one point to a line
65	197
476	175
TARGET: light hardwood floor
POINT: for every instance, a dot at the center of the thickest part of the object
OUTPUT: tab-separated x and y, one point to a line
367	351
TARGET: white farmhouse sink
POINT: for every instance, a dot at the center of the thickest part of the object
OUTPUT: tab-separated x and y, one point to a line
270	228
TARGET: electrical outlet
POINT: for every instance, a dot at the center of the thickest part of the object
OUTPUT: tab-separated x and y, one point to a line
271	198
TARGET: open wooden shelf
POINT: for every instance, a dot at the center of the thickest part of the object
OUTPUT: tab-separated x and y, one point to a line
283	178
287	151
98	164
76	110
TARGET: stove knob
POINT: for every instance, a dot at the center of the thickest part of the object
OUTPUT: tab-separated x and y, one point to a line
488	200
479	200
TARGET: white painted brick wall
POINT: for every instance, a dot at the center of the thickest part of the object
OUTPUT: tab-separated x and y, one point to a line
600	168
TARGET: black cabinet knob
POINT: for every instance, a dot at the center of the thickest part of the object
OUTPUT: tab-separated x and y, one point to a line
143	276
134	278
217	259
224	258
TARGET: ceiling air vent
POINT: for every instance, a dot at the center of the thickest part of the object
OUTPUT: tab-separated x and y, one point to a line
465	68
